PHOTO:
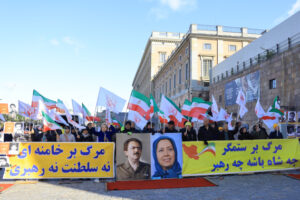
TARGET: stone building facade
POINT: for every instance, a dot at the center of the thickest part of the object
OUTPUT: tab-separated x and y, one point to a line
279	76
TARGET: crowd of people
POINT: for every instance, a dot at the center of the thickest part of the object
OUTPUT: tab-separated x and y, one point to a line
107	133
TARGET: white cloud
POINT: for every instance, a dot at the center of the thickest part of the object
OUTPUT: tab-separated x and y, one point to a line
69	41
54	42
295	8
164	7
177	5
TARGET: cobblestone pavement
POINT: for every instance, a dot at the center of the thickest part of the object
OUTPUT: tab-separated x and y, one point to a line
254	186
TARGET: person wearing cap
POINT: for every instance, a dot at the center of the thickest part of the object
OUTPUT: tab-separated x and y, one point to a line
67	136
224	133
276	134
188	132
170	128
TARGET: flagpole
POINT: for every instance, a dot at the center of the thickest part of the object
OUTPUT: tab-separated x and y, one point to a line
126	110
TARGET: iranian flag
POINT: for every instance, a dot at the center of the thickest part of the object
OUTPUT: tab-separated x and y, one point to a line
88	116
63	108
270	118
57	117
171	110
162	118
209	148
36	98
116	122
153	108
199	107
139	103
259	111
276	108
139	120
186	108
49	124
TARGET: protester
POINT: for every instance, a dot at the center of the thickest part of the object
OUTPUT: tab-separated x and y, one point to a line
276	134
76	134
52	136
132	127
67	136
188	133
170	128
37	134
84	136
149	128
257	133
206	133
165	158
244	134
260	124
224	133
127	128
106	133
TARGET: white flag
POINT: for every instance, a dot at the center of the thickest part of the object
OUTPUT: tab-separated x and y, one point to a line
77	109
108	119
110	101
214	109
222	115
56	117
259	111
241	98
137	119
25	110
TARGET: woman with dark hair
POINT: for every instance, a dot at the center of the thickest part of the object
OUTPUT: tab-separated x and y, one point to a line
165	158
244	134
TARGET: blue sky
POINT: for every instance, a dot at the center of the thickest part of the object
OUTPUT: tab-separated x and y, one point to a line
68	49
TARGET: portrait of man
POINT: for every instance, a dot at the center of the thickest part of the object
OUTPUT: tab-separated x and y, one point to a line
4	162
133	166
291	130
13	110
292	116
13	148
166	159
19	128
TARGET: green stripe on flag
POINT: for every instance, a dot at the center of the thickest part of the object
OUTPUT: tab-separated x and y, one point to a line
173	104
138	95
49	119
199	100
86	110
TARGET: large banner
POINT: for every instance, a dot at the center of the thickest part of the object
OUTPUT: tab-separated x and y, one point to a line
228	157
62	160
250	84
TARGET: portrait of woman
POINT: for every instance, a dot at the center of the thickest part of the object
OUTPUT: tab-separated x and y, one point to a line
165	156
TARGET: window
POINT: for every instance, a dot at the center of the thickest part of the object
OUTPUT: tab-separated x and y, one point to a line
232	47
166	88
186	51
186	71
179	76
162	57
207	46
272	84
170	81
207	64
180	57
220	99
174	80
206	84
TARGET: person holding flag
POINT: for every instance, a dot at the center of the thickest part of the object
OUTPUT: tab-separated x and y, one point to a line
106	133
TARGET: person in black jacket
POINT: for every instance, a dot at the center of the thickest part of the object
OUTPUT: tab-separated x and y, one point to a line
188	133
206	133
170	128
127	128
84	136
244	134
149	128
276	134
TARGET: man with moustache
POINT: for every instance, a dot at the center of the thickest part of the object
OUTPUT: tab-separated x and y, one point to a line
133	168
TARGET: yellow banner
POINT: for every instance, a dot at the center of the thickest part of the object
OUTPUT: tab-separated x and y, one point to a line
62	160
227	157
